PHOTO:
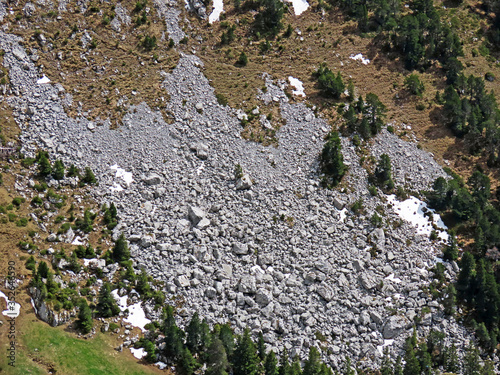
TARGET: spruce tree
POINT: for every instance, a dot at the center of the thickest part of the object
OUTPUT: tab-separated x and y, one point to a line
150	349
193	334
451	361
88	177
451	250
295	368
43	270
466	275
245	356
471	365
312	365
58	170
84	321
106	305
227	339
386	367
398	368
173	335
72	171
121	252
186	364
332	160
217	363
142	286
271	364
284	367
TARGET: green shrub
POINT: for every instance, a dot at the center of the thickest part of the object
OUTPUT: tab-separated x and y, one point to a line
17	201
414	85
243	59
331	85
22	222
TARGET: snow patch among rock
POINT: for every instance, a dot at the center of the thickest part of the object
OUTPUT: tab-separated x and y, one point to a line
136	316
43	80
414	211
299	6
218	8
360	57
124	175
138	353
299	88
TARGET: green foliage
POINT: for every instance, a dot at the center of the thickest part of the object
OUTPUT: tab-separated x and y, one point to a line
245	356
88	177
271	364
383	173
268	20
332	161
106	305
121	252
58	170
73	171
414	85
44	167
331	85
30	263
149	42
173	335
221	99
43	269
84	321
243	59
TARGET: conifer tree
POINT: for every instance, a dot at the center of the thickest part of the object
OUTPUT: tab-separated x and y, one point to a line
186	364
348	370
88	177
386	367
173	335
84	321
451	362
245	356
217	363
193	334
271	364
295	368
332	160
142	286
227	339
106	305
471	365
121	252
43	270
284	367
312	365
261	346
58	170
44	167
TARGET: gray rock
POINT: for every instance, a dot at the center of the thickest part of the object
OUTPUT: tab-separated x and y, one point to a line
240	248
196	214
394	326
153	179
247	285
245	182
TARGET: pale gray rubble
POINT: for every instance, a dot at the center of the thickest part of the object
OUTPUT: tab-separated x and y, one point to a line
284	255
3	10
170	14
122	18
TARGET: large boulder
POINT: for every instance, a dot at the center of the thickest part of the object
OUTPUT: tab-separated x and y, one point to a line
394	326
243	183
153	179
196	214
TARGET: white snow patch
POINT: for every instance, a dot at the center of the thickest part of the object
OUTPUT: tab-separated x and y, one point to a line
343	215
137	316
380	348
13	308
360	57
124	175
161	365
218	8
412	210
33	305
77	241
299	6
43	80
392	278
299	88
138	353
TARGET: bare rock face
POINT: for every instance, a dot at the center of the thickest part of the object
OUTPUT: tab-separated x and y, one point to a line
244	183
46	313
196	214
394	326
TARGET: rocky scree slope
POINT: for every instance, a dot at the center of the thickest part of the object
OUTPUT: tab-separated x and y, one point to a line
274	252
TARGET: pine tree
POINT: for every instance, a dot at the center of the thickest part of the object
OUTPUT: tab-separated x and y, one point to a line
142	286
295	368
186	364
450	300
245	356
88	177
107	306
451	250
121	252
466	275
284	367
217	363
271	364
173	335
312	365
386	367
44	167
150	349
193	334
84	322
398	369
227	339
58	170
375	111
43	270
332	160
72	171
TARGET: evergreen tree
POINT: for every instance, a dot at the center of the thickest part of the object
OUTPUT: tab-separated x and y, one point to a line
425	360
269	18
284	367
451	250
466	275
331	85
142	286
332	160
450	300
84	321
271	364
412	365
245	356
386	367
186	364
227	339
414	85
44	167
58	170
398	368
193	334
88	177
121	252
383	172
217	363
72	171
173	335
312	365
43	270
150	349
106	305
295	368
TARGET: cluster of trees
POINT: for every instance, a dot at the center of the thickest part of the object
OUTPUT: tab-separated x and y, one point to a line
223	353
110	218
58	170
268	20
383	173
330	84
365	116
332	161
474	113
